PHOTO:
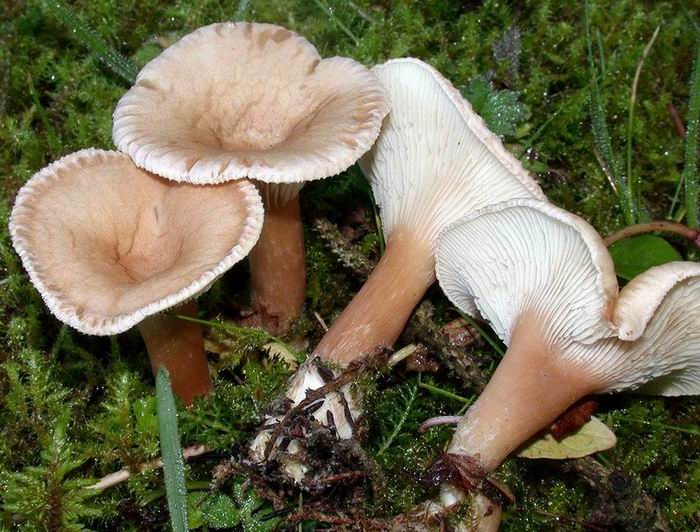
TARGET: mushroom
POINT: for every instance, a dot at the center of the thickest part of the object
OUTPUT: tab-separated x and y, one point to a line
545	281
435	160
248	100
109	246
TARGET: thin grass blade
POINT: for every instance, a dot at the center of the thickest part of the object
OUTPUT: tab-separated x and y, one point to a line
601	136
343	27
634	183
171	453
96	45
51	138
690	173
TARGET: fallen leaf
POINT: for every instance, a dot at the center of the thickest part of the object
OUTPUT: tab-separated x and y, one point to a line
593	437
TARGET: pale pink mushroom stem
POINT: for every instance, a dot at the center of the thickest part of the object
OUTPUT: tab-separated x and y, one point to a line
178	345
277	267
530	388
378	313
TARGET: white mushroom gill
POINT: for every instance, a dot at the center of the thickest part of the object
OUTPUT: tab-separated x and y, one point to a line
544	280
248	100
110	246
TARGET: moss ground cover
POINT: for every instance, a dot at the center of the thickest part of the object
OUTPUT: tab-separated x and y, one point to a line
75	408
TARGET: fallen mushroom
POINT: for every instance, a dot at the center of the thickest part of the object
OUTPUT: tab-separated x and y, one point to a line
248	100
544	280
434	161
110	246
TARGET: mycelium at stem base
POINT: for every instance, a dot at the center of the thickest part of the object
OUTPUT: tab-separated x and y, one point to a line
378	313
277	267
179	346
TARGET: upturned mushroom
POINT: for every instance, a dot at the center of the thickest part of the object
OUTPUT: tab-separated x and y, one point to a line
109	246
435	161
248	100
545	281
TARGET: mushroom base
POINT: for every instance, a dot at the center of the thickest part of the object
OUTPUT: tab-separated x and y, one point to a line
277	268
309	433
179	346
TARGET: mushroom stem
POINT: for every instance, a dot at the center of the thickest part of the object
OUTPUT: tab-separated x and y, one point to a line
530	388
651	227
378	313
179	346
277	267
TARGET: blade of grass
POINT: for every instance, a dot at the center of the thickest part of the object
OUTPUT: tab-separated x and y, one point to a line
690	175
601	53
114	347
171	452
634	182
337	21
694	432
51	138
444	393
601	136
486	336
96	45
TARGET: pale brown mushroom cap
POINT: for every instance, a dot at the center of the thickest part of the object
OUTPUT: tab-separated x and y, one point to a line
235	100
107	244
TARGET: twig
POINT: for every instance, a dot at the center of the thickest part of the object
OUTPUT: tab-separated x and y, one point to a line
320	321
124	474
676	119
665	226
573	521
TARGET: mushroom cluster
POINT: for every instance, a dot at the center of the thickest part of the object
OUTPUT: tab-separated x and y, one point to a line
217	137
434	162
230	113
253	101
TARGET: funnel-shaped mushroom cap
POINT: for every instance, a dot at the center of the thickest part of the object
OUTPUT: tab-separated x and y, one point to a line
107	244
234	100
435	160
526	257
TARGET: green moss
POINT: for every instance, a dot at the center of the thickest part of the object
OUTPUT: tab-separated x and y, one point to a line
73	408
